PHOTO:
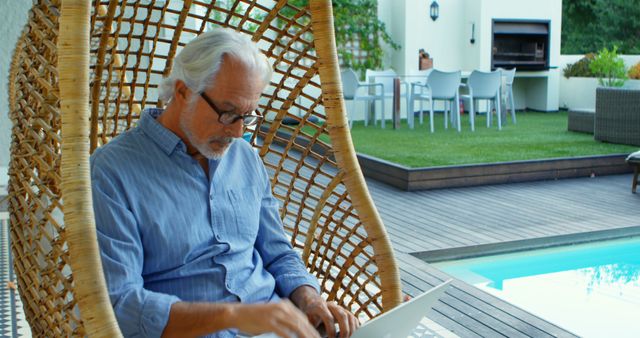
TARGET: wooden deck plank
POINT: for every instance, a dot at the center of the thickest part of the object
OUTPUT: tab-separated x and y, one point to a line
509	319
448	221
532	210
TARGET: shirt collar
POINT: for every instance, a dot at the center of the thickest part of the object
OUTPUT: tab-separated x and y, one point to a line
163	137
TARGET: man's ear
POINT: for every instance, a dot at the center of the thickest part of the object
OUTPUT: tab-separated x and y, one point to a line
181	92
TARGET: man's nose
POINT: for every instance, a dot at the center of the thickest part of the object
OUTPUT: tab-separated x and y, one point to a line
236	129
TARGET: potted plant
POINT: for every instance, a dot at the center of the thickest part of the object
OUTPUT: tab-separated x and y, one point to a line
609	68
578	88
634	76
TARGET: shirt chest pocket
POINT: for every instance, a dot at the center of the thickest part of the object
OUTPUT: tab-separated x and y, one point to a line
245	203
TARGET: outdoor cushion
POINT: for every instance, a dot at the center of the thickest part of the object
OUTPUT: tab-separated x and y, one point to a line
634	157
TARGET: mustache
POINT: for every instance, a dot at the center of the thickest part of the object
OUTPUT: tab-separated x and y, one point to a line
222	140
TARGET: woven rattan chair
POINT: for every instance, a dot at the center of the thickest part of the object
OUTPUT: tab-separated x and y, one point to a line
81	75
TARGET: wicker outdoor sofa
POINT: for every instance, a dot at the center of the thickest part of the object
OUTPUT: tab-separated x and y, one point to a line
81	74
617	118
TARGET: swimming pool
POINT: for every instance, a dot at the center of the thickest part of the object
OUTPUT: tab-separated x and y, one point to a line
591	289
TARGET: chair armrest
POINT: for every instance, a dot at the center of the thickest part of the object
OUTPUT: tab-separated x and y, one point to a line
406	85
416	84
371	85
423	87
413	85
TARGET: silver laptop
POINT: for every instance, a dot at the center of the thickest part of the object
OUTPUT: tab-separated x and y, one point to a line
401	321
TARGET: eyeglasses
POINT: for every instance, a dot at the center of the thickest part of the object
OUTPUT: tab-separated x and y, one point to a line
229	117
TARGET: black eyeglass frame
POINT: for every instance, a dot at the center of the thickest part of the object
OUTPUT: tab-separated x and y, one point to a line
228	117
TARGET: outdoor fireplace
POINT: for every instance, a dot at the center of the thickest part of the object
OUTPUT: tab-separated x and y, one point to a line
521	44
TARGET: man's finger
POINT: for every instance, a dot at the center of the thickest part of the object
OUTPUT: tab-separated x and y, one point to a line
295	324
327	320
342	318
355	323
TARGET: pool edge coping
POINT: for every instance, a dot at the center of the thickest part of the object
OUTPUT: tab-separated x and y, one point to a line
472	251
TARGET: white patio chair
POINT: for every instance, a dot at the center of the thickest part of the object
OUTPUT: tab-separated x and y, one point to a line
421	75
352	90
509	76
386	77
441	86
484	86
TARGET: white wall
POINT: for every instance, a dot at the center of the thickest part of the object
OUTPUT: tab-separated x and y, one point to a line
409	25
386	11
447	39
14	17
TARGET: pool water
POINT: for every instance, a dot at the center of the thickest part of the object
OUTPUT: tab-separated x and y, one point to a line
592	290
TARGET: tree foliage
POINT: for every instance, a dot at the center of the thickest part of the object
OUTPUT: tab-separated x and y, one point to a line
360	35
590	25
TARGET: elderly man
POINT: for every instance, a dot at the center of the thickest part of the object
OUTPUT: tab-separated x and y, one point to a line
189	232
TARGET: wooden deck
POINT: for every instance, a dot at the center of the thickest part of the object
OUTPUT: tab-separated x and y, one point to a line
440	224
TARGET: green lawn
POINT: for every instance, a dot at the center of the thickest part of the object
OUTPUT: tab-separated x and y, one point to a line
536	136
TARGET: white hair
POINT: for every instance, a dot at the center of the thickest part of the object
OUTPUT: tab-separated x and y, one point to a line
199	61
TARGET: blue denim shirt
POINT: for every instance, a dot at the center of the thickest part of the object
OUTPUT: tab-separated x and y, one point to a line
168	233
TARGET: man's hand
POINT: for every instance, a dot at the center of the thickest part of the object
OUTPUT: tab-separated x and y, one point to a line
327	313
282	318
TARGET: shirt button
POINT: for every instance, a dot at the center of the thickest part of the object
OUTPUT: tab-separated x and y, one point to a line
217	237
210	197
227	285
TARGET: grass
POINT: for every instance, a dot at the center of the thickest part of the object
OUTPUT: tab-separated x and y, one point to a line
535	136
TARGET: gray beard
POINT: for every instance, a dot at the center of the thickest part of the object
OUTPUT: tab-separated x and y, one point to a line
203	146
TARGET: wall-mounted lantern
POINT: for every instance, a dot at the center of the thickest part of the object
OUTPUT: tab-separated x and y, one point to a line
434	10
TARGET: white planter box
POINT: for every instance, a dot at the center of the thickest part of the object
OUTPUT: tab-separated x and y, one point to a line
632	84
578	92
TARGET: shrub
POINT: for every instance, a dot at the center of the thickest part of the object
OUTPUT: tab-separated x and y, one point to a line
634	72
609	68
580	68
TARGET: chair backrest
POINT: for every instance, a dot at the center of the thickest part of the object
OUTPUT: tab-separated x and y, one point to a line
421	76
444	85
326	208
382	76
509	75
485	84
349	83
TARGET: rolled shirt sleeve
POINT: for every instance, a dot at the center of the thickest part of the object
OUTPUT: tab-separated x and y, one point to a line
139	312
274	247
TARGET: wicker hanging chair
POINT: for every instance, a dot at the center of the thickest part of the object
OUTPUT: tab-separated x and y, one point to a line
82	73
